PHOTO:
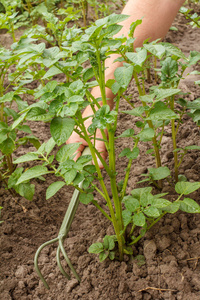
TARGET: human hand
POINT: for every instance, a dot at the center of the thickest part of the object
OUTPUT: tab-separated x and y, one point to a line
99	145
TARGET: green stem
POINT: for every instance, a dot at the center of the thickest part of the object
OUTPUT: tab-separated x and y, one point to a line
116	200
154	140
123	192
174	141
101	209
137	83
2	108
131	104
13	33
162	132
153	223
101	77
132	229
181	159
155	66
9	163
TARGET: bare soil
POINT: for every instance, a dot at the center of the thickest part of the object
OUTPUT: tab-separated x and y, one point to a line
171	248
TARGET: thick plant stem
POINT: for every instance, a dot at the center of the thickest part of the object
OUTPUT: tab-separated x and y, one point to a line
154	140
9	163
175	152
116	212
2	108
123	192
101	77
118	226
155	66
84	11
174	141
108	200
116	200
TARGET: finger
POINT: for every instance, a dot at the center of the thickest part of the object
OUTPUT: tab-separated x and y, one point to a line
78	152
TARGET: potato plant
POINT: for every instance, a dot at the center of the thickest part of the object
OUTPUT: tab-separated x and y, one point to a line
18	68
62	103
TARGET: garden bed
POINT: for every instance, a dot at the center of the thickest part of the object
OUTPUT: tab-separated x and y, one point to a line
168	266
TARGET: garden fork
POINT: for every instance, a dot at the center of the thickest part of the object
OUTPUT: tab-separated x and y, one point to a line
64	229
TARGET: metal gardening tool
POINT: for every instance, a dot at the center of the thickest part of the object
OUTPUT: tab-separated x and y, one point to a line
64	229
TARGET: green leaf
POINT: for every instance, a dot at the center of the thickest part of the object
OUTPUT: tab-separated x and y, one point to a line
133	27
190	206
12	180
152	212
160	203
61	129
146	135
126	216
112	255
140	193
27	157
139	219
54	188
7	97
33	172
7	146
96	248
182	177
186	188
131	203
130	154
173	50
161	112
51	72
88	74
192	147
147	98
67	151
109	242
36	114
102	117
194	104
70	175
49	146
25	128
103	255
169	69
138	111
172	208
33	140
127	133
140	260
26	190
19	120
123	76
75	98
115	18
157	50
86	198
138	58
159	173
164	93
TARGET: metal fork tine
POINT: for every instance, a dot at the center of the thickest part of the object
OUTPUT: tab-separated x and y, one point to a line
64	229
36	260
59	263
68	261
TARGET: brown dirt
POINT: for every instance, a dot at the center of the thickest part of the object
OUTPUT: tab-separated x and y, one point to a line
171	248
